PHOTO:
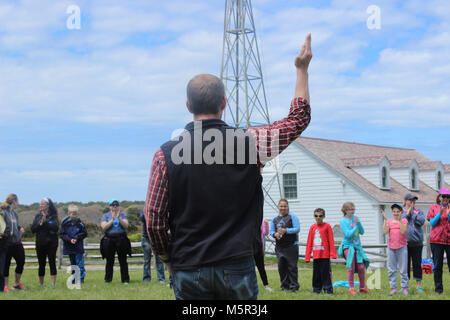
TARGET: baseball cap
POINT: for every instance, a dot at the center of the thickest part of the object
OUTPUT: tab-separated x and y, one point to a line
113	201
410	196
396	206
444	191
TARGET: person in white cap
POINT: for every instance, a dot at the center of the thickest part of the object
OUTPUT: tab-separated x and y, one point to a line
439	217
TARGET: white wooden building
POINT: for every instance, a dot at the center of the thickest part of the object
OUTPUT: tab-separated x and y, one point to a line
326	173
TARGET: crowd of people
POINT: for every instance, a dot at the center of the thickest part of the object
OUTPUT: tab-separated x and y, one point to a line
404	230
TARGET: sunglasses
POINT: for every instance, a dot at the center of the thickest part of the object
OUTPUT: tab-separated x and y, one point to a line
318	215
114	205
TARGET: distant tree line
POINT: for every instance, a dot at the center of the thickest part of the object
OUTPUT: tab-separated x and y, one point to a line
90	213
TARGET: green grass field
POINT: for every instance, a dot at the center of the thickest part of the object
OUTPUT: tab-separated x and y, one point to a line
95	288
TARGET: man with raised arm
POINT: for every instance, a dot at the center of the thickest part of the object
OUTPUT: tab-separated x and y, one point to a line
212	200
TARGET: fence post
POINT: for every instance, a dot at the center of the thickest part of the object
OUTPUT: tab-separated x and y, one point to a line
60	254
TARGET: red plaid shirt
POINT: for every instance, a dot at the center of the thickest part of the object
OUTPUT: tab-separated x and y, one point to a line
156	213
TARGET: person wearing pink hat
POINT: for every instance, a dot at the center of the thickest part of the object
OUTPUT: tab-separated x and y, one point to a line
439	217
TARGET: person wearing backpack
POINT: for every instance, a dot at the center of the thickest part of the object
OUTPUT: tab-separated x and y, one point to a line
5	232
14	246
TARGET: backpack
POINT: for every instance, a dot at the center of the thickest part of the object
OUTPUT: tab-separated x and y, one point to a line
427	266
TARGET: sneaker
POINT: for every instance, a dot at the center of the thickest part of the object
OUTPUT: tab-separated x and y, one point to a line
393	291
419	289
6	289
352	292
269	289
364	290
18	286
405	291
162	282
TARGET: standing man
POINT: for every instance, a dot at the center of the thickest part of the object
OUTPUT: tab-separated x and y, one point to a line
285	228
214	208
115	223
147	274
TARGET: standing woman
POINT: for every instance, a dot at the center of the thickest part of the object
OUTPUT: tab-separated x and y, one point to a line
14	245
4	235
115	223
439	217
45	225
414	236
258	255
351	248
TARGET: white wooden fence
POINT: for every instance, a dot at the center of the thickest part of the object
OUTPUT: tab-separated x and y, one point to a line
138	258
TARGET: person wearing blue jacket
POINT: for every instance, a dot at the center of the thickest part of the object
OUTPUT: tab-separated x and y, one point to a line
351	248
285	228
414	235
73	232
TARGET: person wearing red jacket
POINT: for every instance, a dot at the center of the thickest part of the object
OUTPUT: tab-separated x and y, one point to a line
321	244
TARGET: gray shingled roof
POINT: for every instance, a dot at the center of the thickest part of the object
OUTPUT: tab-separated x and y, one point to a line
428	165
447	168
337	155
363	162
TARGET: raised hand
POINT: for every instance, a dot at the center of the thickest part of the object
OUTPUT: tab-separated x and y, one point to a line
304	56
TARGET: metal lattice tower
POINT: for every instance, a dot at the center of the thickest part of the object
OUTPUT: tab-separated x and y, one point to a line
241	67
242	76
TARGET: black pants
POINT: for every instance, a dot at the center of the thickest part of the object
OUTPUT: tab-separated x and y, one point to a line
43	251
17	252
415	258
287	267
322	276
259	261
2	270
438	260
118	245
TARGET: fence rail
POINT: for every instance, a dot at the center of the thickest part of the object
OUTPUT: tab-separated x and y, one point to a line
137	258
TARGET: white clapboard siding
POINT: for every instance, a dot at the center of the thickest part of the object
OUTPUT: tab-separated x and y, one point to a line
371	174
429	177
402	176
321	186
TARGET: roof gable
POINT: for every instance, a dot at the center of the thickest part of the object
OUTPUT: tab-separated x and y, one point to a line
340	154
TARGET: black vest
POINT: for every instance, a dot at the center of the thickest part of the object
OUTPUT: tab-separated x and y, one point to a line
285	222
215	210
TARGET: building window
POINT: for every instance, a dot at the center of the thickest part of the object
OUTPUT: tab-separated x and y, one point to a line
413	180
290	185
384	177
439	180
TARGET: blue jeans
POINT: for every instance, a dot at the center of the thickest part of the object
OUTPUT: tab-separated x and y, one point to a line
233	280
147	276
78	260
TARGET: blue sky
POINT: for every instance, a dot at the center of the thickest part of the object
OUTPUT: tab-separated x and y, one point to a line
83	111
